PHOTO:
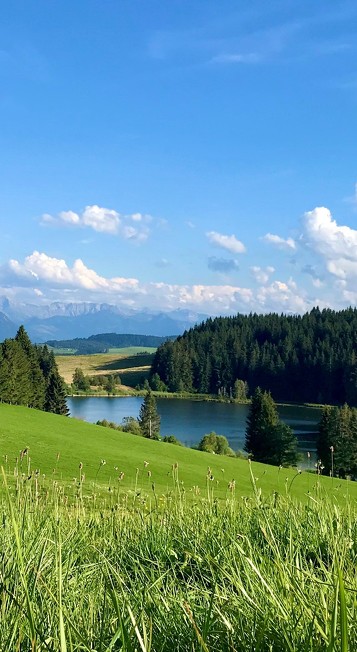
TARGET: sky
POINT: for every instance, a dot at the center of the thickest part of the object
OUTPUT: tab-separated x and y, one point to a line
182	154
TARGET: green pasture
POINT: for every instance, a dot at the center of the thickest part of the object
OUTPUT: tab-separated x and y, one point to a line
59	445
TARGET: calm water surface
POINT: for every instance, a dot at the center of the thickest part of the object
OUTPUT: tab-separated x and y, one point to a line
189	420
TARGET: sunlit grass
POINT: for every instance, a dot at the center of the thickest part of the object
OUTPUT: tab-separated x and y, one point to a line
112	542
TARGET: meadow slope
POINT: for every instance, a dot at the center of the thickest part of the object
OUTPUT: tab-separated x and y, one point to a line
74	442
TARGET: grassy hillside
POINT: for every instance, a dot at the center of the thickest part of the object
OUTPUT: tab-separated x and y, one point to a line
131	364
155	563
76	442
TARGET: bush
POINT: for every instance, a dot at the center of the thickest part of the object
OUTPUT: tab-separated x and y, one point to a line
171	439
217	444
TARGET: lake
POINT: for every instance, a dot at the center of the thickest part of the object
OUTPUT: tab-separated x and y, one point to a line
189	420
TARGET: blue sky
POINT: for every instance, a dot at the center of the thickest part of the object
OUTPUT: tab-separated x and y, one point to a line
185	154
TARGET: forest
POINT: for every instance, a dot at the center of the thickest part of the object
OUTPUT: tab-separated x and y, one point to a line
308	358
29	375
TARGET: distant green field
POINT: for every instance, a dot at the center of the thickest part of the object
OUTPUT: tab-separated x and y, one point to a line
133	350
77	442
62	351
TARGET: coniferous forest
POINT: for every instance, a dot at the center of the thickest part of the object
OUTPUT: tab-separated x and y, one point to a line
309	358
29	375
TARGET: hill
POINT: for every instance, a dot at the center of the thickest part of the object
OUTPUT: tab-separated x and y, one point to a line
309	358
103	342
49	436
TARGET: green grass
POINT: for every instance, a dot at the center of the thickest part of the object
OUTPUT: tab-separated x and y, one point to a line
153	565
133	350
77	442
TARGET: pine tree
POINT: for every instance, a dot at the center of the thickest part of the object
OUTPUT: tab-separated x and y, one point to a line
149	419
261	421
268	439
56	395
36	392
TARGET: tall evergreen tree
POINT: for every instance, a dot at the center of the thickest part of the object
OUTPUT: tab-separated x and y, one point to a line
36	380
149	418
268	439
56	395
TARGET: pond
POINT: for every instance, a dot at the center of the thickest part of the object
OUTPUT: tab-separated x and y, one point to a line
189	420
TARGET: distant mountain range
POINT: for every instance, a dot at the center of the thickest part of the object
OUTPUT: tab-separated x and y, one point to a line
64	321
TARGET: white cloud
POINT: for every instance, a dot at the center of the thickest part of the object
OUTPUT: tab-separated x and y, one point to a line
229	242
262	274
336	244
54	276
279	242
104	220
39	268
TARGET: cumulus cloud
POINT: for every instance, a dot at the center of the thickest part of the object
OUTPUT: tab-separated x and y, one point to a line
44	270
49	275
228	242
336	244
279	242
262	274
224	265
104	220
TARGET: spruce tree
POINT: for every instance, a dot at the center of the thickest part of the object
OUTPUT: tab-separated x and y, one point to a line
149	418
262	419
268	439
56	395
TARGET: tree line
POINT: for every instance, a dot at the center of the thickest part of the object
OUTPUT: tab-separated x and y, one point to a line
29	375
309	358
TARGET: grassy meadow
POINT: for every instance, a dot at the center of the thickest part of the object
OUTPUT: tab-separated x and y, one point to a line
114	542
132	364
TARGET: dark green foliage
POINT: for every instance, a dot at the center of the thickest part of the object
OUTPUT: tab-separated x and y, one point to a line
171	439
240	390
131	424
267	439
337	441
312	358
56	395
149	419
80	382
104	341
29	375
156	383
213	443
109	384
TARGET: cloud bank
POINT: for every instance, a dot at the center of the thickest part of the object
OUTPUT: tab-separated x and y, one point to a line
104	220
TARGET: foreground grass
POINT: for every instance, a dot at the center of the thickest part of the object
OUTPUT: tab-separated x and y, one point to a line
184	551
168	573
